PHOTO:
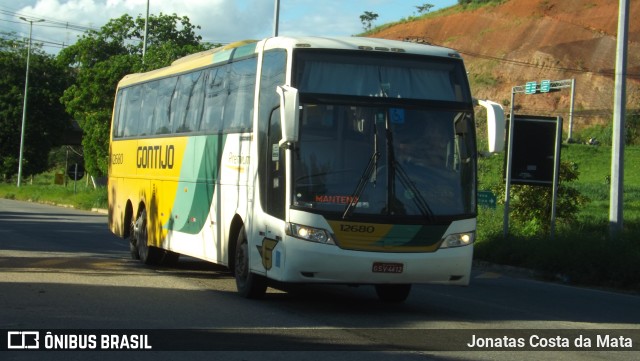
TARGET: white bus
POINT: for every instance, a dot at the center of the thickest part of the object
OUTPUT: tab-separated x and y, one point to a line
301	160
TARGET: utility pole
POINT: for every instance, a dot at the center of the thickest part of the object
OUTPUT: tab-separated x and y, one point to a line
276	17
26	90
146	32
620	99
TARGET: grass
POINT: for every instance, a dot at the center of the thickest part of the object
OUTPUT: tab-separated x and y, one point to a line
42	189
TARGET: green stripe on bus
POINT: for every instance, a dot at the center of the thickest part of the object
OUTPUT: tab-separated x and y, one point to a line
198	174
412	236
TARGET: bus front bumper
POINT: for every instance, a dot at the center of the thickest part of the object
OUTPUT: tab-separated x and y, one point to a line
307	262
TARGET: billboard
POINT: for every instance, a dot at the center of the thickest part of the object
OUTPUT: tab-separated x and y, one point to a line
533	158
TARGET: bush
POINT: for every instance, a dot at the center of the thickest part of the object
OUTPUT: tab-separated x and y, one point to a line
603	132
531	205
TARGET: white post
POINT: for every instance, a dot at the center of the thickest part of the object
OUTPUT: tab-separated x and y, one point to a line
617	149
507	187
24	106
276	17
573	98
146	33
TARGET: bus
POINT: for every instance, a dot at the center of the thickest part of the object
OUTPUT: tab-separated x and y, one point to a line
340	160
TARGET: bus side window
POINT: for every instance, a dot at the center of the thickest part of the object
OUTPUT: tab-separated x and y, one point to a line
180	102
162	123
215	97
118	117
149	95
196	102
239	104
132	112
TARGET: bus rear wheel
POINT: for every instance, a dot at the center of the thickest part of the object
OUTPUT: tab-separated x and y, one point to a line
250	285
393	293
133	242
149	255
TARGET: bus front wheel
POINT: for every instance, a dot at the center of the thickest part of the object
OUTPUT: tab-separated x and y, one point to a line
393	293
250	285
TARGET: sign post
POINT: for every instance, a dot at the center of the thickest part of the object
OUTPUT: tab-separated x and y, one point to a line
75	172
532	87
487	199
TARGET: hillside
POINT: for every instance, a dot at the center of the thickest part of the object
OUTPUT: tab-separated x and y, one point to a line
531	40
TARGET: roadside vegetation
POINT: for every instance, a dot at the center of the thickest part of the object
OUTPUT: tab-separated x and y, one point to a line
41	188
582	250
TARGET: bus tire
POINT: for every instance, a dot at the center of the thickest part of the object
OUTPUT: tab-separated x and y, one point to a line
250	285
133	243
149	255
393	293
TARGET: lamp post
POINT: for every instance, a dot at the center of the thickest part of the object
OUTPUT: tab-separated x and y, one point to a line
24	106
146	33
276	17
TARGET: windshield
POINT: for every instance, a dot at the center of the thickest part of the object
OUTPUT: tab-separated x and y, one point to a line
379	74
392	161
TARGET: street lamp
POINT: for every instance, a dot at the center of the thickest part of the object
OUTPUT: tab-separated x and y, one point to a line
24	106
276	17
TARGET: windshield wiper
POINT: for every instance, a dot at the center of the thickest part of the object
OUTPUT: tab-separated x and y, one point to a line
396	168
366	175
364	179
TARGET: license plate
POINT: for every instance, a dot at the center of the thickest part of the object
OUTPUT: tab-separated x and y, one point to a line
384	267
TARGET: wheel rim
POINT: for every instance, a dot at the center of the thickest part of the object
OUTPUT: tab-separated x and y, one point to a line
141	236
133	243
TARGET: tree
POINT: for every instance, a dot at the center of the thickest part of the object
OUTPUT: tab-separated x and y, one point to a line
46	120
367	18
424	8
101	58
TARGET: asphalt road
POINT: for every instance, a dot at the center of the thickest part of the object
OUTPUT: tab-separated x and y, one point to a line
62	270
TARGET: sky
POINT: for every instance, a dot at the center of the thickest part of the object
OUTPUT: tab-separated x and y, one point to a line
221	21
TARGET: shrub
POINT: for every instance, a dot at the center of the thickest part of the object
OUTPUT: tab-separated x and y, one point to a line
531	205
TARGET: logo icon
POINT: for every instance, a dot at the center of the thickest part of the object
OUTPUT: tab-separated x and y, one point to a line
23	340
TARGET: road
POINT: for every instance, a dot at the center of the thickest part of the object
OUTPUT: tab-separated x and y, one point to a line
61	269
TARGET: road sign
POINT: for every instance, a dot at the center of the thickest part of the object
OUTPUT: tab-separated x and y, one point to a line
545	86
75	171
533	149
487	199
530	87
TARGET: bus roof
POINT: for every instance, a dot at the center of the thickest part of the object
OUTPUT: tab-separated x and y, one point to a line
223	53
359	43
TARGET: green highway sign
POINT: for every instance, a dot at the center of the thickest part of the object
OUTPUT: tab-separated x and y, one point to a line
487	199
530	87
545	86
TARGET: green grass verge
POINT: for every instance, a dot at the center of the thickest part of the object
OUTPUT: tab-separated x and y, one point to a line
43	190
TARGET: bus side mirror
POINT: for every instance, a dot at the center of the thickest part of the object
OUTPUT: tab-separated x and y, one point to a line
289	113
495	125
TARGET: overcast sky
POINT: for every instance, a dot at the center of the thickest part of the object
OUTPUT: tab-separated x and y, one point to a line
221	21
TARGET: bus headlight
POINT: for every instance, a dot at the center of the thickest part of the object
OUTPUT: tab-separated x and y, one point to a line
458	240
311	234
